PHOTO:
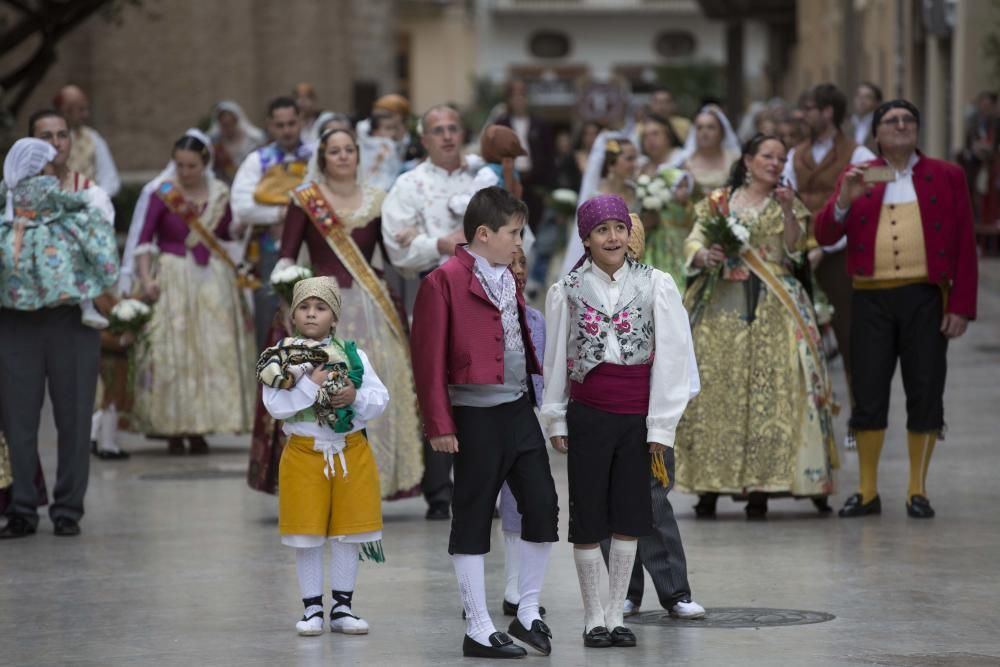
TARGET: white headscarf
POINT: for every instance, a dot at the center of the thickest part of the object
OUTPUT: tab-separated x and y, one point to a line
250	131
26	158
589	186
730	142
127	273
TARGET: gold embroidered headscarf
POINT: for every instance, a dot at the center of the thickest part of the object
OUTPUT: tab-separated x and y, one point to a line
323	288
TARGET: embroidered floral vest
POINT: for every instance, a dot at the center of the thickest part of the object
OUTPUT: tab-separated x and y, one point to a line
631	322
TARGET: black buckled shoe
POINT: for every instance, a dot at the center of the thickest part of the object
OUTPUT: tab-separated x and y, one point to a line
622	637
66	527
919	507
510	609
501	646
537	637
597	637
854	507
17	526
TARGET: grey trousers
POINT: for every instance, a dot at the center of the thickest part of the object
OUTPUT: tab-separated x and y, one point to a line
661	552
51	346
265	299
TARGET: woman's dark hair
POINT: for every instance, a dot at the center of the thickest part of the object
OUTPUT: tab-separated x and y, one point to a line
738	172
193	144
578	143
611	155
492	208
323	138
675	140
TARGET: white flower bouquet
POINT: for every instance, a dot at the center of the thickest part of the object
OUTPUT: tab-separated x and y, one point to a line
283	280
653	192
130	316
563	201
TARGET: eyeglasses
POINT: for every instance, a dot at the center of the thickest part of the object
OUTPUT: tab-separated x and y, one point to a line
905	120
441	130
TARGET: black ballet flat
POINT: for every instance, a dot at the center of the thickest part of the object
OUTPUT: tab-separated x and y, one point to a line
510	609
538	637
756	508
597	637
622	637
854	507
919	507
822	505
501	646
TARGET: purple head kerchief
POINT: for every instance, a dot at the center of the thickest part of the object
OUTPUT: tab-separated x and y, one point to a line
596	210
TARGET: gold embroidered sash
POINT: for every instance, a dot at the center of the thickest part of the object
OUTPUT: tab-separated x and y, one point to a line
321	214
174	201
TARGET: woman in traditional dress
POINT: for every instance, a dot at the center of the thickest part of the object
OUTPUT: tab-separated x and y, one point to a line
338	219
233	138
762	424
195	370
709	150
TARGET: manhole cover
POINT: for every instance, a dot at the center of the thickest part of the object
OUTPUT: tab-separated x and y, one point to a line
737	617
188	475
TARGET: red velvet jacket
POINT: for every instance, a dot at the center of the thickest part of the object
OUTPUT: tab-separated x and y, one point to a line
457	338
945	214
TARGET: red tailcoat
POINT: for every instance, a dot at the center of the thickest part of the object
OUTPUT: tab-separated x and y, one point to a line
457	338
946	217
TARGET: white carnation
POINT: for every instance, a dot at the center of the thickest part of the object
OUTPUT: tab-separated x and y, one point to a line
564	196
657	186
740	232
652	203
643	180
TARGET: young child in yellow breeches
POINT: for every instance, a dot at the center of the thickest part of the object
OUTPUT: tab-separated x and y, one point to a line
324	390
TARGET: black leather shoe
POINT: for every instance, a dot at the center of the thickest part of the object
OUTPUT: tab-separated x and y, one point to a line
853	507
501	646
622	637
438	512
919	507
537	637
109	455
17	526
66	527
822	504
598	637
705	509
510	609
756	508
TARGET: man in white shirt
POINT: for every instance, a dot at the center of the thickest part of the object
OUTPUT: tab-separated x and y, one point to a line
90	155
421	225
260	198
866	99
812	170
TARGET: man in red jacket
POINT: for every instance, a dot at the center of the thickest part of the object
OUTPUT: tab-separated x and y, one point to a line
472	359
912	257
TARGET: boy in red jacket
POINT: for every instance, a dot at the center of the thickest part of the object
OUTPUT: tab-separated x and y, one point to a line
472	361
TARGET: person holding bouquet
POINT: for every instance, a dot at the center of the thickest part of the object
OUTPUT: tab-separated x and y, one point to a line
762	424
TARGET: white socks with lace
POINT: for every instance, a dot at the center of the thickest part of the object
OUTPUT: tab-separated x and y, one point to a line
620	562
511	557
534	558
589	564
470	572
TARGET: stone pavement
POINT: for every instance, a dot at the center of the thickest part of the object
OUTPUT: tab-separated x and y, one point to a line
179	564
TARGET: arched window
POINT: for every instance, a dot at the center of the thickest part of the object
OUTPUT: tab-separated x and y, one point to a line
675	43
549	44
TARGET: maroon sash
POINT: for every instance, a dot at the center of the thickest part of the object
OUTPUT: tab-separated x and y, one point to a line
623	390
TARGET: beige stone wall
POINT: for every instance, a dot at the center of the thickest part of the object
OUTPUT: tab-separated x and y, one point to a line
170	61
442	57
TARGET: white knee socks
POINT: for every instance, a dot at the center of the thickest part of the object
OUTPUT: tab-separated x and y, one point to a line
588	569
309	567
343	569
620	562
470	572
534	558
511	556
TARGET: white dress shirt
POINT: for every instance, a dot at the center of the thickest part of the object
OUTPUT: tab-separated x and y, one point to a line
105	171
244	205
674	379
420	199
862	127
